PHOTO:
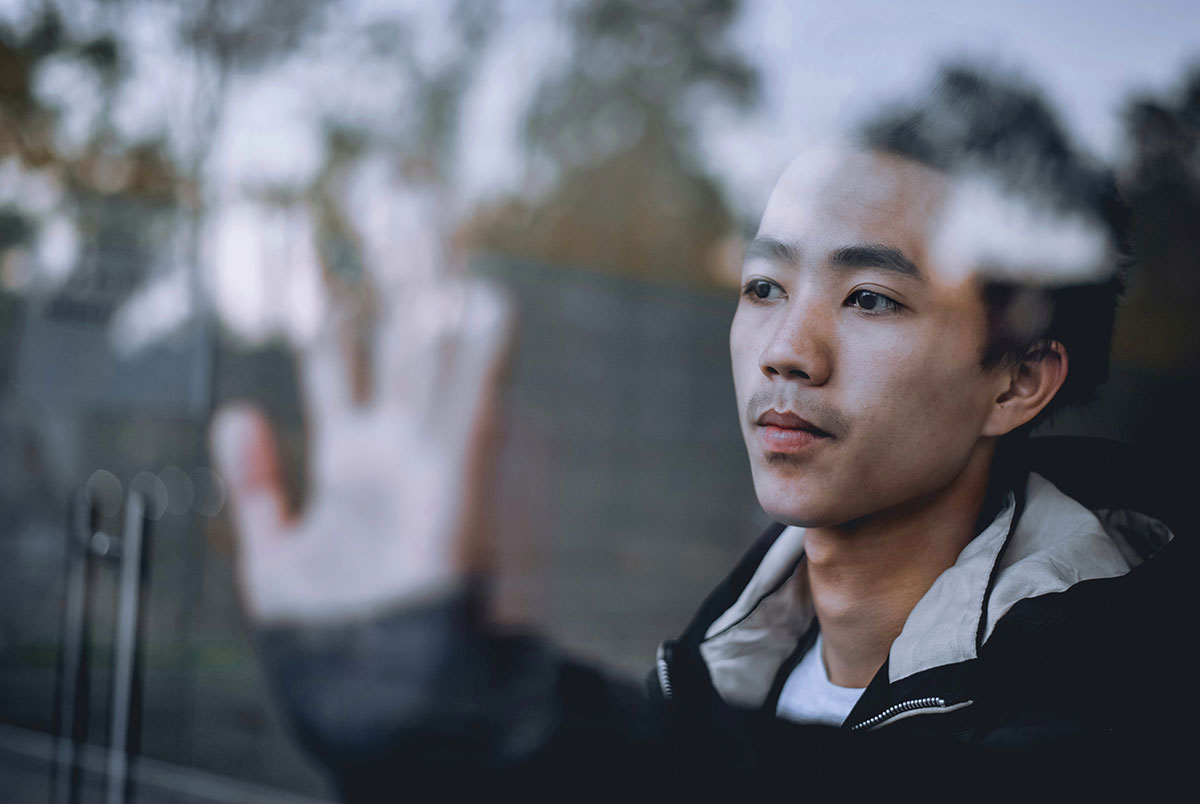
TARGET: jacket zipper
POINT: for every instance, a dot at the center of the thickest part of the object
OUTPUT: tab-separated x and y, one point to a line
664	683
895	709
664	678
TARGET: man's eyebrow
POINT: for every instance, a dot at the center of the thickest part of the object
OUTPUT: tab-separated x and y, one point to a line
768	248
874	255
871	255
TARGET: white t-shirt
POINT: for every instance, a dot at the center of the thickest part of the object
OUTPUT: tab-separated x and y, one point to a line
808	696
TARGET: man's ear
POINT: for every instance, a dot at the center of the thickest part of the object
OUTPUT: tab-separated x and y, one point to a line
1028	387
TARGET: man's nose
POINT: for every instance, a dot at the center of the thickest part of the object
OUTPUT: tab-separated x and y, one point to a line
799	347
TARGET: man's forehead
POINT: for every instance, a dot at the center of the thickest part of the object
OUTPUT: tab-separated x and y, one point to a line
839	197
956	227
852	187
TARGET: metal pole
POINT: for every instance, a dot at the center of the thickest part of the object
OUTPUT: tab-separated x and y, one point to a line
129	593
73	672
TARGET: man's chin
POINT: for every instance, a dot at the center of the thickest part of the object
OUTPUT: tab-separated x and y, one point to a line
808	504
790	500
790	511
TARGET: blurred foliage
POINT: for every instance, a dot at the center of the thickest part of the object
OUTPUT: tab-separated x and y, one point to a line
26	127
610	137
247	35
1160	169
614	134
439	92
27	122
132	204
419	137
615	177
87	177
636	74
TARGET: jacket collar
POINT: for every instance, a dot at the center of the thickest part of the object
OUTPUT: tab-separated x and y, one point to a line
1041	542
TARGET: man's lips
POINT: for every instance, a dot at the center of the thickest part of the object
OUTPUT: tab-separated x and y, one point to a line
784	431
786	420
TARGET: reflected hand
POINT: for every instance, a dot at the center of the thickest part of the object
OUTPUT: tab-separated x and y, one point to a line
395	481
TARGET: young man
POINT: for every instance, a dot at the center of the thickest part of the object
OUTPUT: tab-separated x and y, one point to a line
939	600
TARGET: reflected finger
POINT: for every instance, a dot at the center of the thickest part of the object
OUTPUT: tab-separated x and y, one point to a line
477	354
331	369
415	344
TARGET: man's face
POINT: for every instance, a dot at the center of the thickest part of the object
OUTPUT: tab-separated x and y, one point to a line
856	365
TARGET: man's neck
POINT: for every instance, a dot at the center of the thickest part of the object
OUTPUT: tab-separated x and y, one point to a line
867	576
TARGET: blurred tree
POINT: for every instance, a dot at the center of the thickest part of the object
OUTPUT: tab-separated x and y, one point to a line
25	125
28	121
100	175
239	37
613	134
438	91
636	72
1158	328
247	35
131	205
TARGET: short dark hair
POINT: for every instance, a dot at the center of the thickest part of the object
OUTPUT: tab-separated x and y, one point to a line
974	120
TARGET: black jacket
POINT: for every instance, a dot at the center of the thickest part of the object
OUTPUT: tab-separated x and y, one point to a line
1053	662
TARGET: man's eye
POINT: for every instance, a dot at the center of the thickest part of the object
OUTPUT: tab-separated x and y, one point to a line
761	289
871	302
